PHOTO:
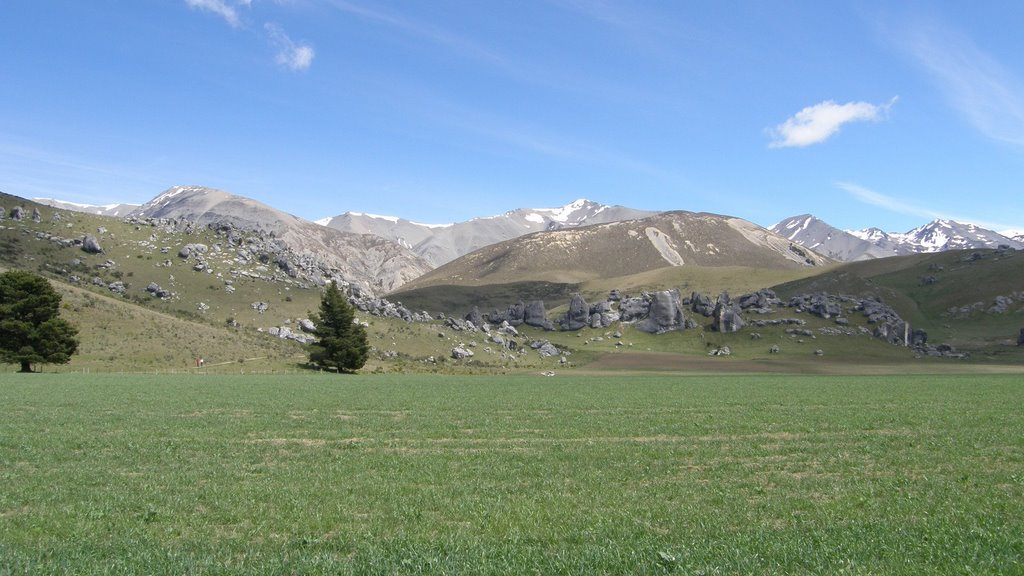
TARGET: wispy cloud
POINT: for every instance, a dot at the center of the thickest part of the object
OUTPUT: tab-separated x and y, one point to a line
220	8
440	36
982	88
892	204
289	54
816	124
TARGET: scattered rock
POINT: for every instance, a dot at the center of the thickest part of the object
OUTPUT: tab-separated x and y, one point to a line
461	353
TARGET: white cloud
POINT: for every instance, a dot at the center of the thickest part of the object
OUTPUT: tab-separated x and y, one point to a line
815	124
986	92
219	7
289	54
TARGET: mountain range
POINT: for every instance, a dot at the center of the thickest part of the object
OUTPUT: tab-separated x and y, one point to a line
384	253
845	246
104	210
441	243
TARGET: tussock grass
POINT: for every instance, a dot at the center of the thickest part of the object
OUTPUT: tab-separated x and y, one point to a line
424	474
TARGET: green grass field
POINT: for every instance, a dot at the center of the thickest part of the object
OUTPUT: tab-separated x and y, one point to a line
406	474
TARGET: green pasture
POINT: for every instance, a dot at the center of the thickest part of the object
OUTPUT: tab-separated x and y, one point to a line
425	474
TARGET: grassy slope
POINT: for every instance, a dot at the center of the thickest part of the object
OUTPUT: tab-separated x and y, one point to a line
961	280
511	475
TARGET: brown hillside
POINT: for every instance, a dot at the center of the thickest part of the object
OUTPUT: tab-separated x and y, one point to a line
671	239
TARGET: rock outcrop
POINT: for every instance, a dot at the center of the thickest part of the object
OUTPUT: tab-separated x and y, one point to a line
536	315
578	315
665	315
727	316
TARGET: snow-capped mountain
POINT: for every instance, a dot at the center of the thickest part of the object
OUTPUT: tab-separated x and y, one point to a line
941	235
104	210
810	232
935	236
442	243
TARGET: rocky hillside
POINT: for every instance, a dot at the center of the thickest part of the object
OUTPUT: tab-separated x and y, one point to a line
848	246
670	239
373	263
440	244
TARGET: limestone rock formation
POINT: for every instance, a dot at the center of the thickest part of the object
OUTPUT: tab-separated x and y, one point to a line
578	315
727	316
536	315
666	313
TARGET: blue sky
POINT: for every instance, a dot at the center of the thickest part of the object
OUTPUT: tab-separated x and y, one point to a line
863	113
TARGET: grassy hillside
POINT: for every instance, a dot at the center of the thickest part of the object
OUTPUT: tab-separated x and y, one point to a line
949	294
636	247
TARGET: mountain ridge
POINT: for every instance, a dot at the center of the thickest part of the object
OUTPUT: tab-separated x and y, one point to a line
939	235
439	244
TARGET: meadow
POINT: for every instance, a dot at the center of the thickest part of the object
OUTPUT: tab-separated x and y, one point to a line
575	474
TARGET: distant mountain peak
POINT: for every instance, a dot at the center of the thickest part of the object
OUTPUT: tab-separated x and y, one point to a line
115	209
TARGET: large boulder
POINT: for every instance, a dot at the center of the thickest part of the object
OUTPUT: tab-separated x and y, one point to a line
701	304
536	315
727	316
16	213
578	315
544	348
91	245
475	317
666	313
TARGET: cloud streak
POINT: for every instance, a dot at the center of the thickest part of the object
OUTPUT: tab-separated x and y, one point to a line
289	54
978	85
816	124
891	204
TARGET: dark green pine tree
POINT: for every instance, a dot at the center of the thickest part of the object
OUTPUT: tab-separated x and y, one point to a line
30	330
342	345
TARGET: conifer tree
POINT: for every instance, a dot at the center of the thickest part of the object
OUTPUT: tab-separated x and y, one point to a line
30	330
342	344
